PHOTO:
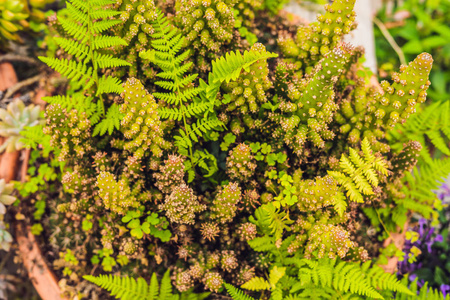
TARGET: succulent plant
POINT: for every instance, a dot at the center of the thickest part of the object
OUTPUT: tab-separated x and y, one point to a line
13	119
6	190
5	237
224	163
5	199
16	15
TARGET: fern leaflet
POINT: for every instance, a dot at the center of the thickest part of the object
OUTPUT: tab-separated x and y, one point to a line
86	22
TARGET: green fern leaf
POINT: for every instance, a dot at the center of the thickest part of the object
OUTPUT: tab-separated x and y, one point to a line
386	281
153	288
34	136
108	61
229	67
111	121
236	294
100	26
109	84
166	287
73	29
78	72
257	284
74	48
102	42
340	205
121	287
104	14
275	275
261	244
277	294
79	15
81	5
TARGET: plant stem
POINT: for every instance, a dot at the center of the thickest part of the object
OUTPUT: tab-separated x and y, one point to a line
390	40
382	224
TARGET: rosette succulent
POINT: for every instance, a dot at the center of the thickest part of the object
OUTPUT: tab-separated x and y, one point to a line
6	190
13	120
5	199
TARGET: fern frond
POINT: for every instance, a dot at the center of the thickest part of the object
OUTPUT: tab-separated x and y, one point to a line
78	72
153	289
196	108
124	288
74	48
104	14
109	84
359	174
34	136
102	42
261	244
170	113
100	26
421	183
111	121
275	275
191	133
348	277
78	15
236	293
229	67
73	29
257	284
423	293
101	3
432	122
81	5
386	281
109	61
166	287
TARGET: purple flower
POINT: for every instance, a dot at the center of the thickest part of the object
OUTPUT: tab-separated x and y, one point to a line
445	288
443	192
422	223
429	244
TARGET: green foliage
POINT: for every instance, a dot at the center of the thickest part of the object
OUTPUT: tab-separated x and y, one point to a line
421	182
86	26
324	279
421	293
432	124
258	283
152	225
223	165
34	137
346	278
167	43
358	174
38	179
236	294
126	288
